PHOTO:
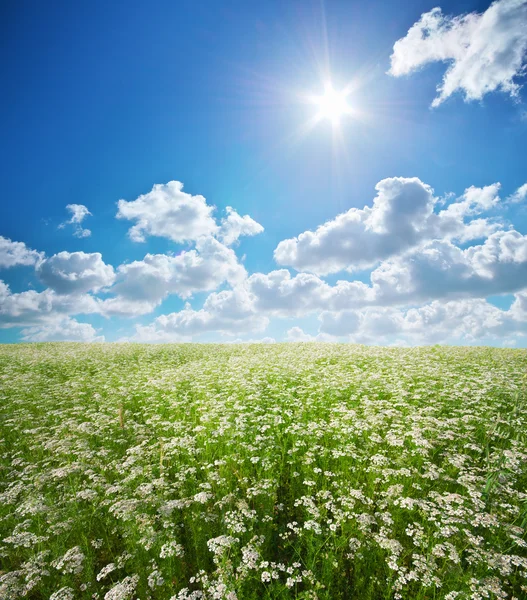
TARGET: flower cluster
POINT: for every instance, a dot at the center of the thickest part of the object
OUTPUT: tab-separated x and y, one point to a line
238	472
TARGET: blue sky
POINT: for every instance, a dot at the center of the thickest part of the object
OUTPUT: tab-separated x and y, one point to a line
103	101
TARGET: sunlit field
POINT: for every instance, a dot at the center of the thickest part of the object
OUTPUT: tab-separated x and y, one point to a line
262	471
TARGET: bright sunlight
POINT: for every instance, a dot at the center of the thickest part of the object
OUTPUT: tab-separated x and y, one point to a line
332	105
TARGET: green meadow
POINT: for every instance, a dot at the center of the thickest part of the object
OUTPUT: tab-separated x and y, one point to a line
278	471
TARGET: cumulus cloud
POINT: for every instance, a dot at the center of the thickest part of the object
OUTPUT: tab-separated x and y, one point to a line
33	308
167	211
519	195
75	272
402	216
457	321
78	213
361	237
206	267
415	242
297	334
234	226
226	312
519	306
473	202
65	330
439	269
125	307
14	254
434	270
280	294
248	306
485	51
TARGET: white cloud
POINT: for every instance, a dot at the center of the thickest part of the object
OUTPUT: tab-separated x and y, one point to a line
234	226
440	269
361	237
227	312
279	294
411	238
474	201
519	306
167	211
296	334
519	195
485	51
33	308
402	216
249	305
458	321
65	330
75	272
433	270
78	213
203	269
81	233
125	307
13	254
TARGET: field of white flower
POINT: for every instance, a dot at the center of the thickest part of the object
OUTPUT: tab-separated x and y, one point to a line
262	471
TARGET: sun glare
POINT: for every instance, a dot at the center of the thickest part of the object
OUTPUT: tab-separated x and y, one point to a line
332	105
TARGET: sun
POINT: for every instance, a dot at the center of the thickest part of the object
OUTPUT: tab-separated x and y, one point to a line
332	105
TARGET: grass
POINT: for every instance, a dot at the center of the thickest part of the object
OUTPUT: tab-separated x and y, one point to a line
262	471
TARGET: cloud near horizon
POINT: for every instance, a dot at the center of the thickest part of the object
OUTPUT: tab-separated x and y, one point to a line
433	263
